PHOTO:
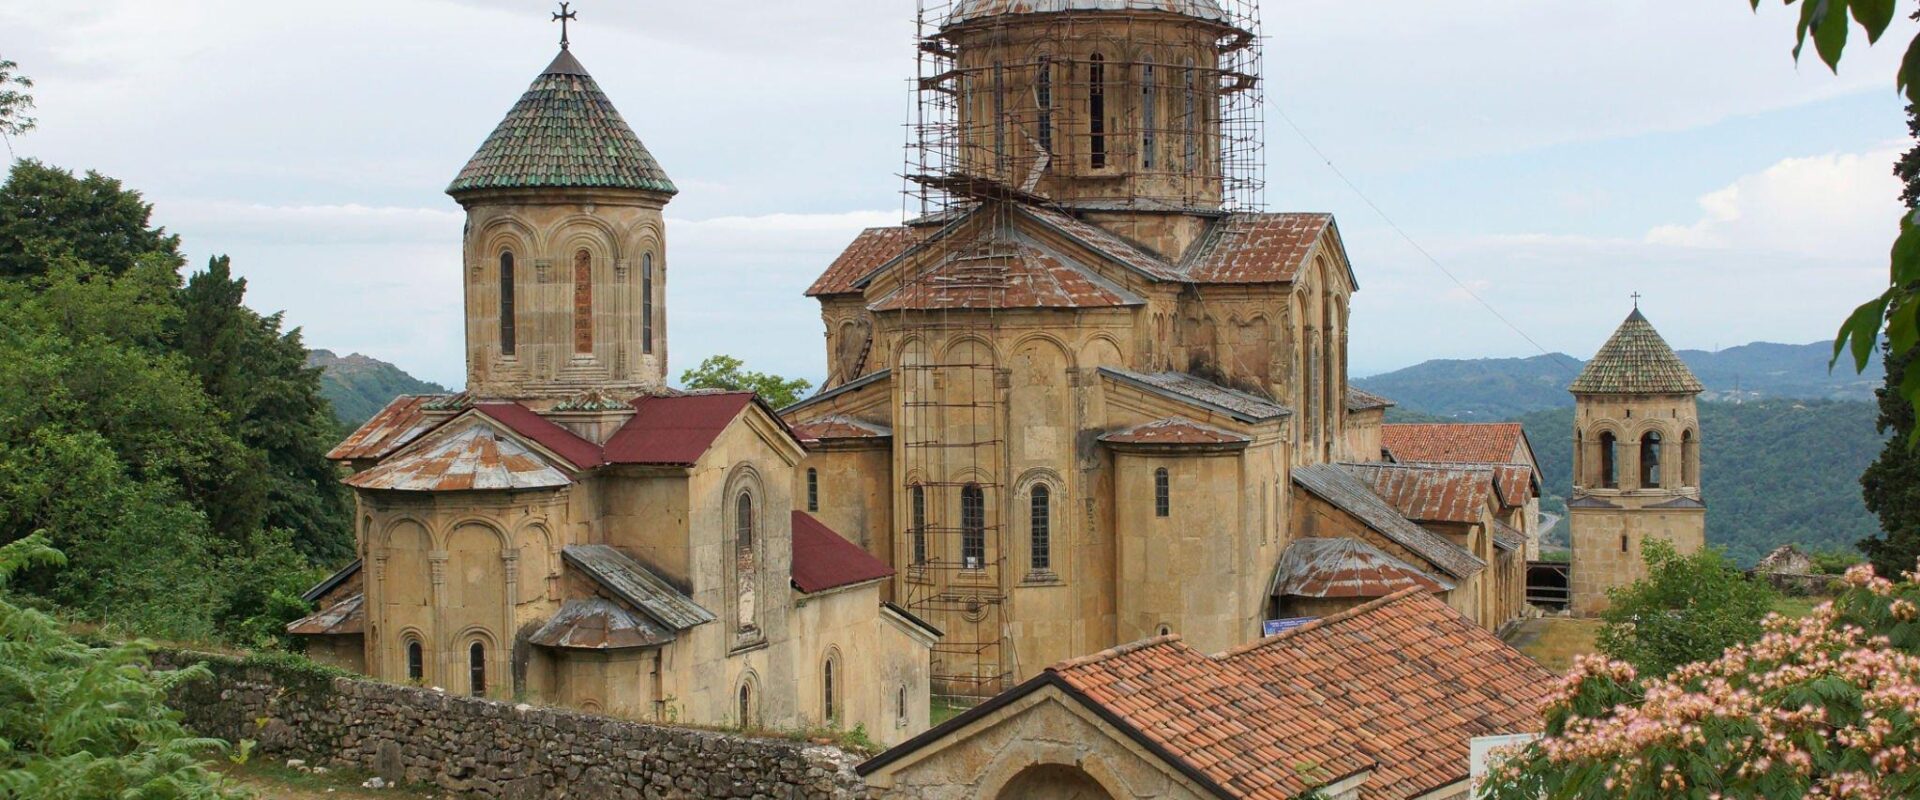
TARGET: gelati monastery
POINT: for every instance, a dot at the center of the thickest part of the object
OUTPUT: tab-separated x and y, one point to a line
1086	462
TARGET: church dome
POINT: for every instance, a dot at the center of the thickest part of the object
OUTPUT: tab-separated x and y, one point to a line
971	10
563	133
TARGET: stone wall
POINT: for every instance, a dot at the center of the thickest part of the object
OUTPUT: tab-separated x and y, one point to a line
494	749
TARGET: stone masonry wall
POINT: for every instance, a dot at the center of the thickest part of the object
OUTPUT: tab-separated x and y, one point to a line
493	749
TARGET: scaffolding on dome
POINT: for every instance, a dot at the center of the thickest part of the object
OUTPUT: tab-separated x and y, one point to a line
1184	136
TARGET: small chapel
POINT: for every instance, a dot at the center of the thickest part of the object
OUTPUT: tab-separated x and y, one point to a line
569	530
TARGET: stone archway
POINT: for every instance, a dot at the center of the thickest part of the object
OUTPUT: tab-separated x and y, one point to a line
1053	782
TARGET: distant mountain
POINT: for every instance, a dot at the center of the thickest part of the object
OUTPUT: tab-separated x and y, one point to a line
359	386
1502	388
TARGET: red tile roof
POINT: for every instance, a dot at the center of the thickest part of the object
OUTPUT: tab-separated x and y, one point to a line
1174	432
402	421
675	429
1011	274
1408	677
579	452
1430	492
825	560
872	248
1457	442
1256	248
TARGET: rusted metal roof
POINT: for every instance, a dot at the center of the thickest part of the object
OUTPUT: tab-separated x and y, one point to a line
564	443
596	623
1358	400
1515	483
1335	485
840	426
332	582
971	10
1174	432
402	421
1431	492
1256	248
872	248
823	559
468	454
1009	273
344	618
627	580
1201	392
1454	442
674	430
1636	360
1316	567
1508	538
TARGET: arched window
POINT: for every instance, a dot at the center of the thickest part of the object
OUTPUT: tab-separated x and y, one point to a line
1689	464
919	495
900	706
582	302
1189	119
646	303
813	489
1162	493
1609	461
1097	110
477	669
746	704
1043	97
416	661
1149	115
973	527
1623	543
1650	460
1040	529
506	303
746	568
832	711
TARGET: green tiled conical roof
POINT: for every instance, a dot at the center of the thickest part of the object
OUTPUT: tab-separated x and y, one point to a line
1636	361
563	133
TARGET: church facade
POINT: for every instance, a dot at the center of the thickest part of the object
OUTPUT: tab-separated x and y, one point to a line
1090	400
570	531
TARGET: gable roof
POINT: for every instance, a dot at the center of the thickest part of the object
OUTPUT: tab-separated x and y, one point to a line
1454	442
1635	360
1411	678
403	420
1342	567
347	617
626	579
1336	486
823	559
1174	432
596	623
331	582
839	426
1360	400
467	454
869	250
1200	392
1431	492
1516	483
849	387
674	430
564	443
563	133
1507	537
1256	248
1007	273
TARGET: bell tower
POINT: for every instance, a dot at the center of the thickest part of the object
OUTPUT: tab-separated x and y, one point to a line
1636	470
565	267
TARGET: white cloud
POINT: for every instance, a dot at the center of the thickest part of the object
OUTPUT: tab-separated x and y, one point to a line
1840	206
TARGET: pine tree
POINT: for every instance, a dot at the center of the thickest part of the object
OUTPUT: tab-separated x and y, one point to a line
47	213
1891	485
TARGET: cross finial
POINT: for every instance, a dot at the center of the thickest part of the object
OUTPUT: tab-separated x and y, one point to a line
562	16
1636	301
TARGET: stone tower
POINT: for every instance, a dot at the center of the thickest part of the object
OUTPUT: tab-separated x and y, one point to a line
565	250
1636	461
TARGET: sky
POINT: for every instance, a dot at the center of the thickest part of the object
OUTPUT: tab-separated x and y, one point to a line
1555	156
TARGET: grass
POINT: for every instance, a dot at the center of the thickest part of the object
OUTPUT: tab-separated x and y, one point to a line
1790	606
1554	641
267	778
945	709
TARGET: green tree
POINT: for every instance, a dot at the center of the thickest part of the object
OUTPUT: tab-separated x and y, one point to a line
1688	608
46	213
15	101
1891	485
726	372
89	723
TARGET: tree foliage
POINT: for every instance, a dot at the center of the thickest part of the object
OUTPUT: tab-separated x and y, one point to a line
1820	707
1689	608
1891	486
47	214
88	723
727	372
15	100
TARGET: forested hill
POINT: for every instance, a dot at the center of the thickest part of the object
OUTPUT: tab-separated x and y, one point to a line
1773	472
359	386
1501	388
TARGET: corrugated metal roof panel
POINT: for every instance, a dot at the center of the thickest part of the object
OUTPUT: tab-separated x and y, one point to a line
1431	492
637	585
402	421
596	623
344	618
1202	392
466	455
1332	483
1315	567
1174	432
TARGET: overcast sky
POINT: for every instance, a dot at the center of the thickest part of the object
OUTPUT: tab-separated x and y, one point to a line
1556	155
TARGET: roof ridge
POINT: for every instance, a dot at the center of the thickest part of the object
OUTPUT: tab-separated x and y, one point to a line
1364	608
1117	651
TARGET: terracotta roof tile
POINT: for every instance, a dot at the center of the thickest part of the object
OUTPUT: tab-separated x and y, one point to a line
872	248
1635	360
1454	442
1006	274
1256	248
563	132
1411	678
1431	492
823	559
1106	243
1313	567
402	421
1174	432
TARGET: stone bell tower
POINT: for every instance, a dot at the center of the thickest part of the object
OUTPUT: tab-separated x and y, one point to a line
565	249
1636	462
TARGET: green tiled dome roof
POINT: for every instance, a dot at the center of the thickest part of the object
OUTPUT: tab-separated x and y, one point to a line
1636	361
563	133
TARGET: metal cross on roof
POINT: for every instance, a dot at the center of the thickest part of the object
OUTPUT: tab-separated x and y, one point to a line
562	18
1636	295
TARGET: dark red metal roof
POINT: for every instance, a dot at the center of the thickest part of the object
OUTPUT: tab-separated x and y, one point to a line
674	430
825	560
579	452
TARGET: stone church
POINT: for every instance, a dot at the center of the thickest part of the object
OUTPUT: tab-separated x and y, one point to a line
1092	395
568	530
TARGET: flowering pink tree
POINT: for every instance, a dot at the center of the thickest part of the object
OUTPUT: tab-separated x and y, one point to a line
1820	707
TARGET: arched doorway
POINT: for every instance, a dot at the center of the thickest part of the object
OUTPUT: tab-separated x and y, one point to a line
1053	782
